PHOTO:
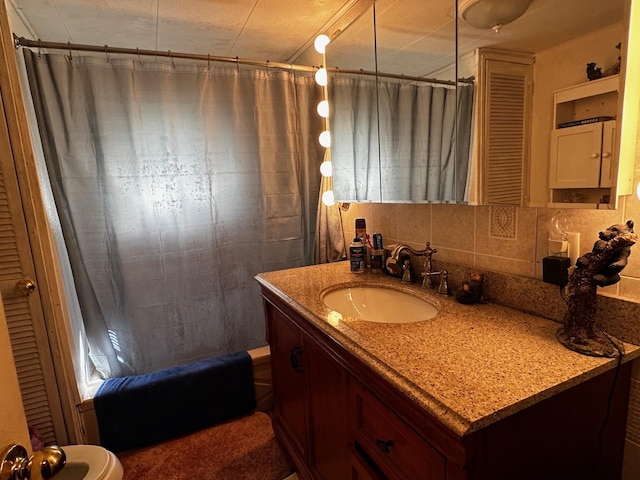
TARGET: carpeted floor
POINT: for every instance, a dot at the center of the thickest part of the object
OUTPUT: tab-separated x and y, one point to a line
245	448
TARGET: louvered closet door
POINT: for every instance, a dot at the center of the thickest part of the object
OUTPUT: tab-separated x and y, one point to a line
25	319
504	142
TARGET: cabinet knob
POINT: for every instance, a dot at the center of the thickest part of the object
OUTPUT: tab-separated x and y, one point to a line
595	155
606	154
384	445
294	358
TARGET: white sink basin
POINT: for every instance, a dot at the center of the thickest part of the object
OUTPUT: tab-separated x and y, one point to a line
378	304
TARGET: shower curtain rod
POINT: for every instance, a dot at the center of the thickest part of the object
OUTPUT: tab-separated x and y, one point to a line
39	44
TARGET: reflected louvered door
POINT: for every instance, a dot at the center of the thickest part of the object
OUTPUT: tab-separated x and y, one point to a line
504	142
23	308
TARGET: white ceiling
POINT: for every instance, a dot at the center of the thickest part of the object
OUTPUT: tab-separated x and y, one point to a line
281	30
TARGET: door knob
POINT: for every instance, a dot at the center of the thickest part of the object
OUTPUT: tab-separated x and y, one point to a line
16	464
24	287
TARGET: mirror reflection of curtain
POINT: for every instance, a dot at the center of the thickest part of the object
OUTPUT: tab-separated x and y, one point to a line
354	132
175	185
417	131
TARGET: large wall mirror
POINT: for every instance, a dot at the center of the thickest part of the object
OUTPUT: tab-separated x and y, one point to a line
388	157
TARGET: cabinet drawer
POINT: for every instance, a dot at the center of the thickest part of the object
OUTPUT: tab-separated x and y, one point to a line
390	443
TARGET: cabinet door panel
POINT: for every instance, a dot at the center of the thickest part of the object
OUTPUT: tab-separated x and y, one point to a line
328	399
608	153
576	156
287	359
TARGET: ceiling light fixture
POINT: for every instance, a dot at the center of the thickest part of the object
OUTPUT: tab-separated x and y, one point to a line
493	14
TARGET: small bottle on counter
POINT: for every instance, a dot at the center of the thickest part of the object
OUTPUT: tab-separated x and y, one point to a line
377	254
356	255
377	257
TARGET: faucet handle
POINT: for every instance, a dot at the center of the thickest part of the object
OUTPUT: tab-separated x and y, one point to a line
406	272
443	288
430	251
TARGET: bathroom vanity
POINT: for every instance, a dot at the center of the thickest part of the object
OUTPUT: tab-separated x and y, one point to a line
476	392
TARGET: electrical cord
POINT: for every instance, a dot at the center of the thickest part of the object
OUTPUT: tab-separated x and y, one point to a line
591	469
562	294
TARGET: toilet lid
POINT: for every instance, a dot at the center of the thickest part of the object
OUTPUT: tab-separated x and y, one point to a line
103	465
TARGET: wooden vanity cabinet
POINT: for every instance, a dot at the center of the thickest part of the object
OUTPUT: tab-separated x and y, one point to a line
310	398
338	419
331	425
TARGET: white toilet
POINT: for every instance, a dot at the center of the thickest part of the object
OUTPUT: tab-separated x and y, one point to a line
89	462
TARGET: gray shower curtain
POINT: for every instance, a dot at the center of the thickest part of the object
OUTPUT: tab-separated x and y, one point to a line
175	185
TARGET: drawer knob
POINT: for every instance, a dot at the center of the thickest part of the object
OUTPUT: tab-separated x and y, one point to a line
384	446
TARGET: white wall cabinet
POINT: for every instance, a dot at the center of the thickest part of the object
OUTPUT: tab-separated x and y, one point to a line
583	143
581	155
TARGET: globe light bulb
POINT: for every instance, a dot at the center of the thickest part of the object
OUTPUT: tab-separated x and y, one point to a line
325	139
321	42
328	199
323	108
321	77
326	168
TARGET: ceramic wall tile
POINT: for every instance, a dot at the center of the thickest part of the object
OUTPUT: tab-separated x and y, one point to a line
587	222
450	255
508	232
414	224
384	219
453	227
507	265
629	287
355	210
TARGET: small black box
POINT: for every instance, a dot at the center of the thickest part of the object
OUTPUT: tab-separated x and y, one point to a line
555	270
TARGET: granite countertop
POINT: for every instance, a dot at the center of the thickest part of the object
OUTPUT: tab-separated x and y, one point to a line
469	366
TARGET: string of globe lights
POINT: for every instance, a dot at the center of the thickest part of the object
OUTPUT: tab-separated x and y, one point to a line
321	77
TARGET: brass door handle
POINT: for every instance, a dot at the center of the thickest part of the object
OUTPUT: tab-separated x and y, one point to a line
24	287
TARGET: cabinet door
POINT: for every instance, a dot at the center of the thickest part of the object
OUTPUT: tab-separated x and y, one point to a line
287	361
576	156
608	153
328	412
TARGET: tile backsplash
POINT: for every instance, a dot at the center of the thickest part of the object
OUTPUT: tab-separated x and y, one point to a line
510	240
